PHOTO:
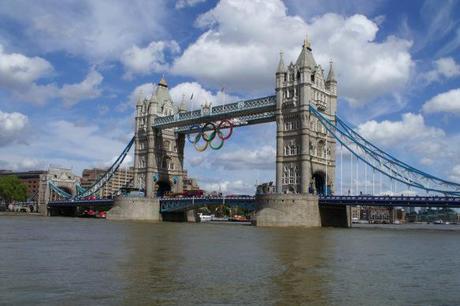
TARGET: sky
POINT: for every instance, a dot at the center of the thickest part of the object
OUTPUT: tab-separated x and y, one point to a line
71	71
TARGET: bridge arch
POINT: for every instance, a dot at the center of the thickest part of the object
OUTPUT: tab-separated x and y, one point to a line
162	187
319	182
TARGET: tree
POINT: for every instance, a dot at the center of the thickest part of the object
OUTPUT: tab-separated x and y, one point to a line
11	189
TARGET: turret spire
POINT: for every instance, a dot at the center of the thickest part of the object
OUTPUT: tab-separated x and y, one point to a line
140	97
331	74
281	66
305	58
163	82
307	42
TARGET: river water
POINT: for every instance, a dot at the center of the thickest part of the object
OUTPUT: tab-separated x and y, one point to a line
70	261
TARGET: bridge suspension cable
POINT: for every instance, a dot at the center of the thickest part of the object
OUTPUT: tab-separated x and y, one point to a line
108	174
381	161
59	191
81	192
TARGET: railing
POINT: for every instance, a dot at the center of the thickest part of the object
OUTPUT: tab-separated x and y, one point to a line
370	200
227	111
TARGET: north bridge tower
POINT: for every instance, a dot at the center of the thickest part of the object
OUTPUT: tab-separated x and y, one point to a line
305	154
159	153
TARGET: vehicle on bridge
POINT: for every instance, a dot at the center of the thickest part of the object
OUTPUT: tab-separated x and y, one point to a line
132	192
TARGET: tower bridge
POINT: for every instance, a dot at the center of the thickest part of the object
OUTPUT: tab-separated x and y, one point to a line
308	135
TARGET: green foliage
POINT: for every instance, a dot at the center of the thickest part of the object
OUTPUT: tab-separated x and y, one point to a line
11	189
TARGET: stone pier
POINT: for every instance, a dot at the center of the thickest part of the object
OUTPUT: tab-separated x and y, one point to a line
135	208
283	210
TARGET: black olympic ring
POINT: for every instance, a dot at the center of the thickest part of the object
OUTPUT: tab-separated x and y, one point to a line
208	133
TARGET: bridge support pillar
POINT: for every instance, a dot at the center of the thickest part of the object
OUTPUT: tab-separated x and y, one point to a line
283	210
335	216
135	208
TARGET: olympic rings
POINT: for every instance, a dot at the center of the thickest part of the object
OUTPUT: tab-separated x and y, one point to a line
204	136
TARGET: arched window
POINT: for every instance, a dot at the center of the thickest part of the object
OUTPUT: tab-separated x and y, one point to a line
320	147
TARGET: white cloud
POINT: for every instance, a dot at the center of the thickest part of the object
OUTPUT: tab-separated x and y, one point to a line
180	4
23	164
366	69
445	67
183	90
149	59
455	173
12	125
17	70
448	102
236	186
243	38
262	158
73	145
86	89
411	128
19	75
412	140
97	30
200	95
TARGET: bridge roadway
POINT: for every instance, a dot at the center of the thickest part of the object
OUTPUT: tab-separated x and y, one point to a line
244	112
181	204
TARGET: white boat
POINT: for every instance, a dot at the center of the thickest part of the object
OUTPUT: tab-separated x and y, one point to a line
204	218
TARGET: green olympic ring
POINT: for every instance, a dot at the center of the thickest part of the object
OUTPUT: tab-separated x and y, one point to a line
207	133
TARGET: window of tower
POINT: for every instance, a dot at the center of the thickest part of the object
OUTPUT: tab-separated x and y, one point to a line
321	148
298	75
313	78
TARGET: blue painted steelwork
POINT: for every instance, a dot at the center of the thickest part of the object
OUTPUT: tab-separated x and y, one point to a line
59	191
108	174
382	161
80	189
80	203
183	204
167	204
253	111
81	192
390	201
237	122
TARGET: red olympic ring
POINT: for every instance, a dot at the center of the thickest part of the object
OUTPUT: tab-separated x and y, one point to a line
219	127
208	133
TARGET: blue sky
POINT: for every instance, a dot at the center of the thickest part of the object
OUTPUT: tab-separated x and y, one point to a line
70	72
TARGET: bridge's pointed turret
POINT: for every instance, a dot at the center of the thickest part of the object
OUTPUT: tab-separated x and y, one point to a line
281	72
306	58
162	96
331	74
281	66
182	106
331	82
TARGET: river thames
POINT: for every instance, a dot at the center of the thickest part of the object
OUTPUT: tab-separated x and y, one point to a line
70	261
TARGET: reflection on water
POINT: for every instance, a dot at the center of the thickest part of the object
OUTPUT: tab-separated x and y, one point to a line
83	261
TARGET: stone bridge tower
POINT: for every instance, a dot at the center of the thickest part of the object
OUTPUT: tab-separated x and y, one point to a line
159	154
305	154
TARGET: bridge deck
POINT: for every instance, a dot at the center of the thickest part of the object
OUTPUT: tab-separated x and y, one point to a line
249	202
399	201
250	111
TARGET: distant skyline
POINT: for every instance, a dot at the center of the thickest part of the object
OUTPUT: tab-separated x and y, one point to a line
70	73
